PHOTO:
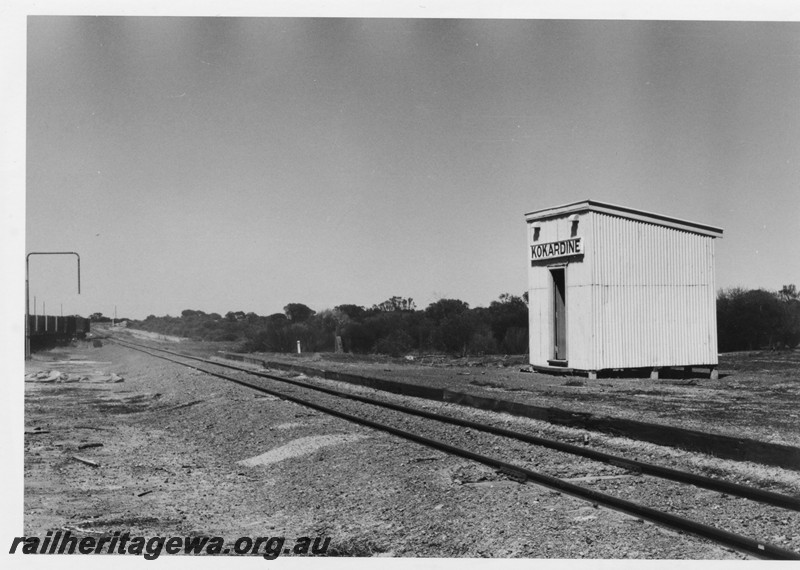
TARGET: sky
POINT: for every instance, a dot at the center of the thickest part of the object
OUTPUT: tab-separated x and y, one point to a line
243	163
390	148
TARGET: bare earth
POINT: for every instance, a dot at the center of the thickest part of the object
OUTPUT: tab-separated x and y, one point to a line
171	451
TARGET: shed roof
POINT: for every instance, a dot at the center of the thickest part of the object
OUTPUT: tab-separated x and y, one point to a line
623	212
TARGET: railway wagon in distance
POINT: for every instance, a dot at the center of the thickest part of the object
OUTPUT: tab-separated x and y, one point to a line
47	330
611	287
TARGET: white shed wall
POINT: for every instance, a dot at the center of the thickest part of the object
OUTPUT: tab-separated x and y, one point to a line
642	295
653	295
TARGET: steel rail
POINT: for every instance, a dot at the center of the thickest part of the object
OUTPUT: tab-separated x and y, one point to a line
728	539
722	486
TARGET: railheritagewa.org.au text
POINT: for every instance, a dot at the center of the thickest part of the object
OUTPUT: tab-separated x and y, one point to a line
150	548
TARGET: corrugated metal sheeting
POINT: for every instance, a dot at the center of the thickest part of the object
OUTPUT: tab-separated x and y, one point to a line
641	294
653	296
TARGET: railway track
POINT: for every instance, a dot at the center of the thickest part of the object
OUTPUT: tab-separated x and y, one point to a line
522	474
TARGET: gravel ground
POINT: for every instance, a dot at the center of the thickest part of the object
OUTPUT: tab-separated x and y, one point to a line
757	395
185	453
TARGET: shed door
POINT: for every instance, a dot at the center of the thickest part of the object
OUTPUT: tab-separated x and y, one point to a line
559	314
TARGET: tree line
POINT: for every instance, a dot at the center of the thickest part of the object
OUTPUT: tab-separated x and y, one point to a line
752	319
394	327
747	319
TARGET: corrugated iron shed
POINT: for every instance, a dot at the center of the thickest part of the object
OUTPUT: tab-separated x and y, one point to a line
611	287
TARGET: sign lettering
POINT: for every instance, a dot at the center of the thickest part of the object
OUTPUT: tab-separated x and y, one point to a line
553	249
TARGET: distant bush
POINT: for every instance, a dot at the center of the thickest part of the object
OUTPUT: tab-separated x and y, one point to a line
752	319
396	343
394	327
298	312
515	341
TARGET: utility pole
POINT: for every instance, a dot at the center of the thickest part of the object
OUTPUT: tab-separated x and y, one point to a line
27	293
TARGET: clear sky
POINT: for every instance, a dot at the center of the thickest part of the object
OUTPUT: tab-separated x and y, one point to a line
244	163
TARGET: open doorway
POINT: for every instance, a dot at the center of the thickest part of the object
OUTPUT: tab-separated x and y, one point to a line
559	316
